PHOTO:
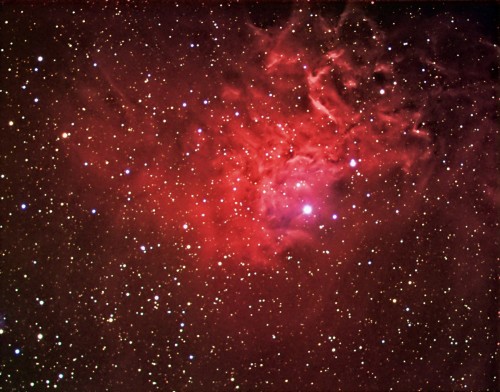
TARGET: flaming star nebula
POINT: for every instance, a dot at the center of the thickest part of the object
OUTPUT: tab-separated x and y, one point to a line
260	196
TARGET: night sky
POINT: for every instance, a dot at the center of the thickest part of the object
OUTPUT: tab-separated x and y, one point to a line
266	197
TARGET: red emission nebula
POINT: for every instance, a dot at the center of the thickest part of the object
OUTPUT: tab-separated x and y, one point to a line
296	120
260	196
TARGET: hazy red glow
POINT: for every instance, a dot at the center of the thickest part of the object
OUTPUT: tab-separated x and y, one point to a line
297	116
270	148
254	153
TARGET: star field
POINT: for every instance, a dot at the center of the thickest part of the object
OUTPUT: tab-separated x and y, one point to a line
249	196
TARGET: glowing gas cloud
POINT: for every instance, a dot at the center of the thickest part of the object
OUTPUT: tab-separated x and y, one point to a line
260	153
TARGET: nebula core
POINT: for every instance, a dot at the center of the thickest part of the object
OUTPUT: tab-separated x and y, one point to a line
260	196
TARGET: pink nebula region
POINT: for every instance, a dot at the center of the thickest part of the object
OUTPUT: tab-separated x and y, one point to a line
238	147
269	196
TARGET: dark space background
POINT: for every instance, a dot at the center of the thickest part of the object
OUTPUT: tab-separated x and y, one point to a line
260	196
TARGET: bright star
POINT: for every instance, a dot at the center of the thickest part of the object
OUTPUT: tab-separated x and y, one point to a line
307	209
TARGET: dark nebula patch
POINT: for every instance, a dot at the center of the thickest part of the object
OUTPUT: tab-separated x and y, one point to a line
259	196
266	14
